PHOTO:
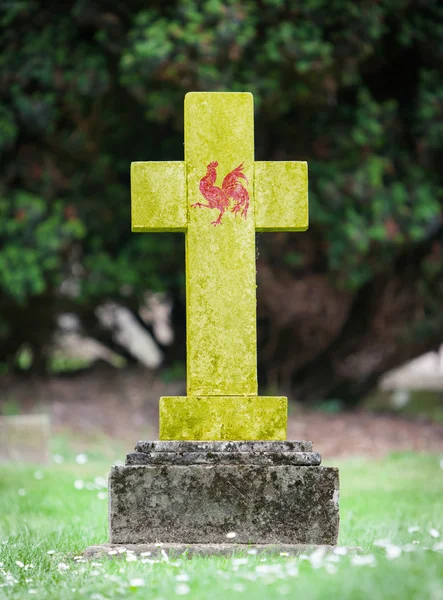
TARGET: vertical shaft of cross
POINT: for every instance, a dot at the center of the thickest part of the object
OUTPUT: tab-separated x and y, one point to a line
220	259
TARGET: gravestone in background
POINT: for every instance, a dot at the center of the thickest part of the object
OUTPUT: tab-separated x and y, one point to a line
222	473
24	438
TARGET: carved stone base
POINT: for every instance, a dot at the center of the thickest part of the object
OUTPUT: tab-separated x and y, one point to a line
205	492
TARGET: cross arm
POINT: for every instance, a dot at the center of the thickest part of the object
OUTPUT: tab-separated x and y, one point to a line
281	196
158	196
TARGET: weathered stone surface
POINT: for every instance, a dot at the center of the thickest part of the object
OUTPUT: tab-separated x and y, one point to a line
202	504
275	182
154	551
158	196
223	418
224	458
228	446
24	438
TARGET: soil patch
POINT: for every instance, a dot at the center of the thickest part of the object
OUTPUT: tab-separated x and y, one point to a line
123	404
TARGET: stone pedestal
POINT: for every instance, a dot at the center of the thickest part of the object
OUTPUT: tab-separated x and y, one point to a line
193	493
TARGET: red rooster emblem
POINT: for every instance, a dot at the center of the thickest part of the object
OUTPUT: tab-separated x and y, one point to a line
232	189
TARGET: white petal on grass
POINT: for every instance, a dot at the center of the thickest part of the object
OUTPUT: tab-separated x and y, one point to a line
317	558
79	484
438	547
81	459
21	492
284	553
392	552
267	569
38	475
332	558
340	551
50	552
137	582
102	495
145	554
164	556
112	552
131	558
364	561
434	533
413	528
231	535
19	564
121	550
292	569
331	569
62	566
58	459
10	579
252	551
182	589
240	561
182	577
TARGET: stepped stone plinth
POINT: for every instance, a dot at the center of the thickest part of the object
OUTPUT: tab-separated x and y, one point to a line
200	492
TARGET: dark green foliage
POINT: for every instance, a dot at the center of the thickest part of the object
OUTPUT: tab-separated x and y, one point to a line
87	86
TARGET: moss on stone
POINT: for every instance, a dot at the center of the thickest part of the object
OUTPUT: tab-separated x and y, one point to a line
223	418
222	401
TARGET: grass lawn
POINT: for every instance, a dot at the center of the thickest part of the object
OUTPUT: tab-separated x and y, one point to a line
48	516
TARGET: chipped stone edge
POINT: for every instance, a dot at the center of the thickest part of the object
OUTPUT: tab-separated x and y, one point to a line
224	458
224	446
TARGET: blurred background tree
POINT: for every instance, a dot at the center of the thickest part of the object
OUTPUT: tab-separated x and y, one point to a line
356	89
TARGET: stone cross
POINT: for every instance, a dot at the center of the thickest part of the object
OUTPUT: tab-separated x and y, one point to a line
219	196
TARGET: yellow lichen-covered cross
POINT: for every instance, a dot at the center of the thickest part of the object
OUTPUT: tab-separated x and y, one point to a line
220	197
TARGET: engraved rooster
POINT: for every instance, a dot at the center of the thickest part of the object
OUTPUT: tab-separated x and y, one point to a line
231	196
